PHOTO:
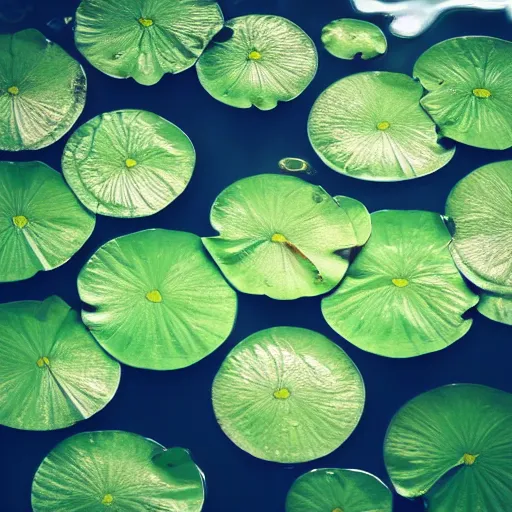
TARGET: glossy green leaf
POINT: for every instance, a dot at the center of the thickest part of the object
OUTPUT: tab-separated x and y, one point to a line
480	209
144	39
280	236
157	300
453	445
371	126
402	296
288	395
128	163
496	307
358	215
346	38
42	91
119	472
266	60
42	224
469	84
53	371
335	490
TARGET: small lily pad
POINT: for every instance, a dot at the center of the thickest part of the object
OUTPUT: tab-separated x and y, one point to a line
128	163
53	371
118	471
288	395
469	84
42	224
358	215
371	126
346	38
496	307
266	60
42	91
296	165
453	446
403	295
158	301
338	490
145	39
280	236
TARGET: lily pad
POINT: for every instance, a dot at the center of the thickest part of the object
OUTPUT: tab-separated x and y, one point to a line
358	215
53	371
453	446
371	126
346	38
479	208
42	224
128	163
42	91
144	39
469	84
118	471
338	490
496	307
280	236
157	300
288	395
403	295
266	60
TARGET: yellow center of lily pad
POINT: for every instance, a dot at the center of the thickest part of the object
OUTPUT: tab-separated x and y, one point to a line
13	90
255	55
107	500
400	283
154	296
145	22
43	361
130	162
279	238
337	510
20	221
281	394
469	459
383	126
482	93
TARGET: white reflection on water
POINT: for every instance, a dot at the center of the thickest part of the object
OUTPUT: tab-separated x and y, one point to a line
413	17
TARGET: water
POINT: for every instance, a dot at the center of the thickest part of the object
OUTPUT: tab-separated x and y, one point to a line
174	407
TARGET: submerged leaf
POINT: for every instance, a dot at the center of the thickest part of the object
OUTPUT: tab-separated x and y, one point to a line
496	307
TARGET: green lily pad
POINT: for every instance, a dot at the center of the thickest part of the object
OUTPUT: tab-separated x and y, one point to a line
144	39
480	210
288	395
453	446
158	301
496	307
358	215
266	60
338	490
42	224
116	471
469	84
403	295
42	91
128	163
371	126
53	371
280	236
346	38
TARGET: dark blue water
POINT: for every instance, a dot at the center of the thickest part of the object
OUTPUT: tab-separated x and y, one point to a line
174	408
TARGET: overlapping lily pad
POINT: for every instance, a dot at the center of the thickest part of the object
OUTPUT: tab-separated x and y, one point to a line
128	163
288	395
266	60
42	91
496	307
155	300
144	39
453	446
280	236
42	224
469	80
371	126
53	371
403	295
118	471
358	215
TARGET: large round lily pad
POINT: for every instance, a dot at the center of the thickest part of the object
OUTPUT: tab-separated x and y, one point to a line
42	91
403	295
288	395
266	60
335	490
453	446
53	371
128	163
496	307
280	236
117	471
480	210
371	126
469	84
144	39
42	224
157	300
